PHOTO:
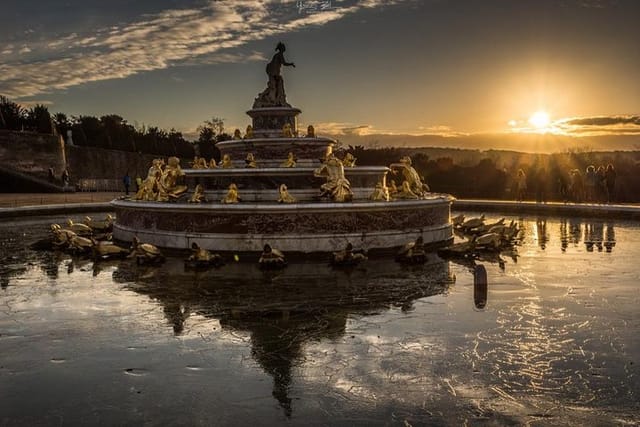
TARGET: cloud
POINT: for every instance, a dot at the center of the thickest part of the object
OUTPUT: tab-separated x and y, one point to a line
170	38
600	125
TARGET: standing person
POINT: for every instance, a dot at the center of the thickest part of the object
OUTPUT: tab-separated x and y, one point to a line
577	186
65	177
610	179
521	185
590	179
126	180
601	185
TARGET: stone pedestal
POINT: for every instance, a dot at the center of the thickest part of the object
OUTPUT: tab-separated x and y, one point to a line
268	121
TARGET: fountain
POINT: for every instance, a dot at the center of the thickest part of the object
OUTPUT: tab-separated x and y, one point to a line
277	186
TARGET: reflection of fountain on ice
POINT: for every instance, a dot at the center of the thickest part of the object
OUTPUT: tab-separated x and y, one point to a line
285	310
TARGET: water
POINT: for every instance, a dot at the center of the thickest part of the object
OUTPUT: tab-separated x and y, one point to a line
113	343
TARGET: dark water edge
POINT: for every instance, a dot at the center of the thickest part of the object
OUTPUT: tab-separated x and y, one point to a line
113	343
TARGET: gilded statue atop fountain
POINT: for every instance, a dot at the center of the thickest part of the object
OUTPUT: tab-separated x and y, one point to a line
406	192
161	183
212	163
232	195
410	175
380	193
198	195
274	95
311	132
249	133
169	189
337	188
285	197
349	161
199	163
250	161
237	134
226	162
286	131
290	162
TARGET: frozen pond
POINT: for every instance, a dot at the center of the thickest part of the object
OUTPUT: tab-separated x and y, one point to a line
112	343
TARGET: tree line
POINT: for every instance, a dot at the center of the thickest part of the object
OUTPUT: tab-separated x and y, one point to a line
113	132
492	173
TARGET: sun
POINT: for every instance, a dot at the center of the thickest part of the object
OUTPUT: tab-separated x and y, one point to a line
540	120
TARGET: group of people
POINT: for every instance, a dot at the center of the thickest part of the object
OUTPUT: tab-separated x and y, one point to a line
596	185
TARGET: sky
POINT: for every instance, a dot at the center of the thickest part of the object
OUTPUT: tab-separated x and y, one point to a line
434	68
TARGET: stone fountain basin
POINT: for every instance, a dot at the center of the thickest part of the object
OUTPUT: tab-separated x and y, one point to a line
271	152
252	179
298	227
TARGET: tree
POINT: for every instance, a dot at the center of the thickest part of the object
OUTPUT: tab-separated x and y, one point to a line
12	114
62	122
210	132
38	119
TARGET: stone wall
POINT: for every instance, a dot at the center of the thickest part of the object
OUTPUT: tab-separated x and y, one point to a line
34	154
31	153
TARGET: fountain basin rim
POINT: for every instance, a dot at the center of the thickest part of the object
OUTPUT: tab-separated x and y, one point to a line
319	140
273	207
278	171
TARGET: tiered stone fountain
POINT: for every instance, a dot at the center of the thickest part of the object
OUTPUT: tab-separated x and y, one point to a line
323	208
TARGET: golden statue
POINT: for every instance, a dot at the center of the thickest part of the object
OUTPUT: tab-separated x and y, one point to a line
150	186
232	194
380	193
348	257
413	252
145	253
410	175
285	197
212	163
198	195
290	162
349	161
250	161
61	237
100	226
393	189
249	132
226	162
406	192
286	131
202	258
202	164
195	163
337	187
271	258
169	189
311	132
236	134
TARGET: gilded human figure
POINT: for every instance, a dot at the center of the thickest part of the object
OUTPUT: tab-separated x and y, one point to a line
249	133
410	175
250	161
226	162
198	195
286	131
274	94
232	195
380	193
337	188
169	189
285	197
290	162
311	132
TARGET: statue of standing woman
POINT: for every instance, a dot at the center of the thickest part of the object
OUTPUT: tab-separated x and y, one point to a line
274	95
